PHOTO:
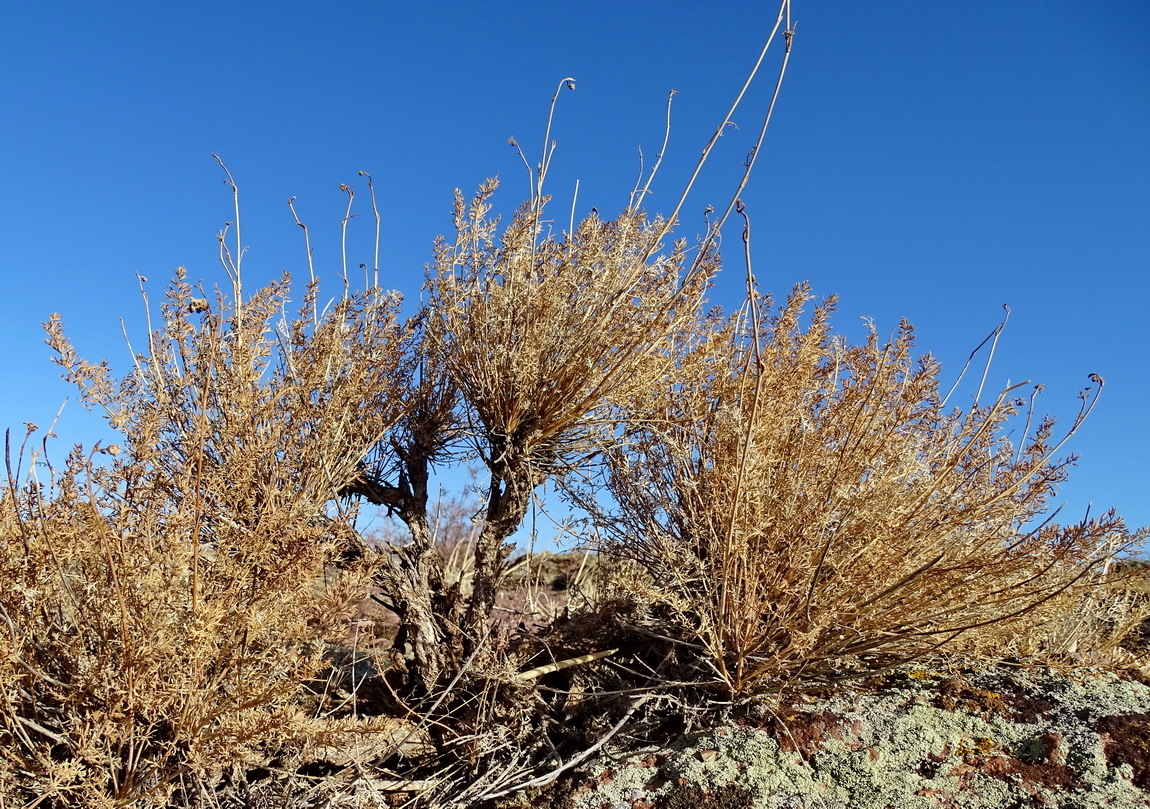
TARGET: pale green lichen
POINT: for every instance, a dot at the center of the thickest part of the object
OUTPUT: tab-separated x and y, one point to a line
751	758
898	750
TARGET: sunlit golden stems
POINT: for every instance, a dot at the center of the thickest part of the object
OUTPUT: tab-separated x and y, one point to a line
637	195
753	154
759	375
543	339
548	146
574	202
990	354
991	338
199	447
816	505
177	586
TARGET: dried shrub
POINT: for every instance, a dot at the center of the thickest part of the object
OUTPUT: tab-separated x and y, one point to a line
805	506
163	607
782	509
543	337
1103	620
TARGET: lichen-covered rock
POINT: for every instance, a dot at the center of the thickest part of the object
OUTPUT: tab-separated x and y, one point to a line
915	739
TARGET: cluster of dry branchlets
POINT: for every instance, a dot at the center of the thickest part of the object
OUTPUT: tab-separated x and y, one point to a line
194	619
801	504
783	510
163	605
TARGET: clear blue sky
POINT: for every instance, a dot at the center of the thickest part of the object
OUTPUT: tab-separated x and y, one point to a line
927	160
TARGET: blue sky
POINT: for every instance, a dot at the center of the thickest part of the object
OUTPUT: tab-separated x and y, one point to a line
927	160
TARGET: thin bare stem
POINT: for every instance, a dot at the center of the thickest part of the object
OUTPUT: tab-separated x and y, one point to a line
753	155
548	146
343	234
997	330
747	448
990	354
1031	401
571	221
637	200
307	247
200	456
375	210
148	321
233	264
527	164
1084	411
575	761
638	178
784	11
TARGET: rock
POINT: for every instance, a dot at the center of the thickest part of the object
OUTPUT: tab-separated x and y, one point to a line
914	739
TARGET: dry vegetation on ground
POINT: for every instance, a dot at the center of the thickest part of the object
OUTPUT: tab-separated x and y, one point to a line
192	617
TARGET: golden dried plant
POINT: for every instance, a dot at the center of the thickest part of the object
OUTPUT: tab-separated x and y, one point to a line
807	506
161	612
798	508
544	337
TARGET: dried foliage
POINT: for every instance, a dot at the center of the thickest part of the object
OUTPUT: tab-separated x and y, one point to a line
186	620
806	506
784	508
543	337
163	606
1103	621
